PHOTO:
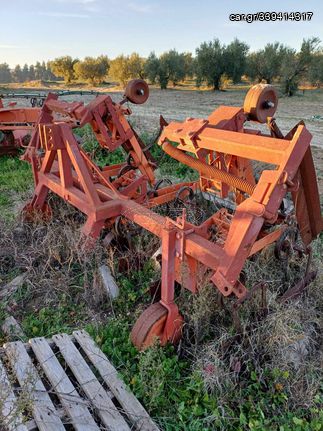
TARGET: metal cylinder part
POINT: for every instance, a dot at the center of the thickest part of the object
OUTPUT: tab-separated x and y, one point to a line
208	171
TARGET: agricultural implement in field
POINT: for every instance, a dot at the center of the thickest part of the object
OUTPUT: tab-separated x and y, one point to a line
223	149
16	123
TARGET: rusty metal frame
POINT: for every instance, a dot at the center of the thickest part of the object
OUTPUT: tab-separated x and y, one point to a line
16	124
222	151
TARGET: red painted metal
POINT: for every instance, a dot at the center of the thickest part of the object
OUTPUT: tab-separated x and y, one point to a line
261	102
223	150
15	127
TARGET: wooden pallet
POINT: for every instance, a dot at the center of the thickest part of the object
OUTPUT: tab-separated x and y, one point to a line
65	383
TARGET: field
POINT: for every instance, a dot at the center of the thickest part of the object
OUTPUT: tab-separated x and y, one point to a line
267	376
181	102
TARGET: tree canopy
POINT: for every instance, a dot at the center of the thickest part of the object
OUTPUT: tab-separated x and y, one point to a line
235	56
169	66
213	65
5	75
63	67
210	63
123	68
297	65
265	64
214	60
315	73
93	70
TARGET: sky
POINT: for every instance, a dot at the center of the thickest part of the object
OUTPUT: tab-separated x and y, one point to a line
34	30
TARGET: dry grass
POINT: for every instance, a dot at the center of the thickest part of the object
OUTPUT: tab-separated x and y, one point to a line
287	337
54	259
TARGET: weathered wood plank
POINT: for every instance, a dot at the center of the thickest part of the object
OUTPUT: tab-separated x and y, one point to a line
43	409
107	411
136	412
32	426
9	404
74	405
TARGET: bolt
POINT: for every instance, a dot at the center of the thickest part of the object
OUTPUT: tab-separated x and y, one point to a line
178	235
268	104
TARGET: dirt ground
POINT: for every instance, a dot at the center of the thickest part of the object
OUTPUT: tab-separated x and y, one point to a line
178	104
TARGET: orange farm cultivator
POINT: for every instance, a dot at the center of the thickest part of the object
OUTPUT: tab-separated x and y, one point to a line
222	148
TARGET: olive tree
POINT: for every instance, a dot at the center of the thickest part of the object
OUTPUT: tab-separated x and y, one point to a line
92	69
315	72
17	74
63	67
235	55
296	65
170	66
5	74
210	63
123	68
265	64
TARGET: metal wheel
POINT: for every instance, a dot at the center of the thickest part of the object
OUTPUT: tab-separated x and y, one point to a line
261	102
150	325
137	91
186	197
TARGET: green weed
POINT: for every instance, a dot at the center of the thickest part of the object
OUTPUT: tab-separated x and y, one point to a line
15	182
49	320
175	396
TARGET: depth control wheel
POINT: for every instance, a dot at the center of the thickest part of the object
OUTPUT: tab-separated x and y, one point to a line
137	91
149	326
261	102
155	322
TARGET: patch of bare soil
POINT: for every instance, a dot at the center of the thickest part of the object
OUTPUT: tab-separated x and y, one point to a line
181	104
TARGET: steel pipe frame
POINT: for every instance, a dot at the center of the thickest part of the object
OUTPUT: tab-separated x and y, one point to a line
291	155
67	171
179	241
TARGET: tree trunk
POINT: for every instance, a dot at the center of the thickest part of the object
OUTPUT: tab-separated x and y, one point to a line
163	81
216	83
